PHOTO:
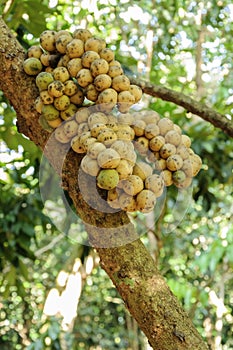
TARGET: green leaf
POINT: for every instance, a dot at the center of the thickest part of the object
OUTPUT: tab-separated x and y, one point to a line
10	276
9	137
217	251
54	331
23	269
229	253
24	248
20	288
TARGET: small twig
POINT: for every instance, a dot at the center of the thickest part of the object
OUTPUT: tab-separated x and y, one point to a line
49	246
217	119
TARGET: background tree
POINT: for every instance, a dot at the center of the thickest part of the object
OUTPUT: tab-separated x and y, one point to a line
197	265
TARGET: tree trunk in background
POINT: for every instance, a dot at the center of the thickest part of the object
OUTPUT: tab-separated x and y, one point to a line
130	266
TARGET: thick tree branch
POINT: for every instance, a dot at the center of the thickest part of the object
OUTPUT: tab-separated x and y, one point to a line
130	266
217	119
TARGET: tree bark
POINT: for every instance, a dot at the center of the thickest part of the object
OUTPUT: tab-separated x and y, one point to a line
128	264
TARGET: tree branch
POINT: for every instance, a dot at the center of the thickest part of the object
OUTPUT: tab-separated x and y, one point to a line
130	266
217	119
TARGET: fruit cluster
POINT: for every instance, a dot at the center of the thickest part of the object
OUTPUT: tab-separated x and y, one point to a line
71	67
133	155
114	146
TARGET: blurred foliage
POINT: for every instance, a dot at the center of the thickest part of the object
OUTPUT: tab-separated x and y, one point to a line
103	308
196	257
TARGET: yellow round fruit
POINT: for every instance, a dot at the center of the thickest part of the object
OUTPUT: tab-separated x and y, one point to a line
146	201
75	48
99	66
84	77
32	66
47	40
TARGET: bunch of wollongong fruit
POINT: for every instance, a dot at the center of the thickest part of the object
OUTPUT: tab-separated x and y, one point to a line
72	67
132	154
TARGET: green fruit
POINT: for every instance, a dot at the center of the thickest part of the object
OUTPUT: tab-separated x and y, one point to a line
32	66
43	122
69	112
49	112
61	103
107	179
178	176
43	80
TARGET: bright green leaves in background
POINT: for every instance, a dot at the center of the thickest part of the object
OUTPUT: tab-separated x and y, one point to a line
26	16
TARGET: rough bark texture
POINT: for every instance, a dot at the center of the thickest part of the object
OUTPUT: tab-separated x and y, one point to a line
217	119
130	266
